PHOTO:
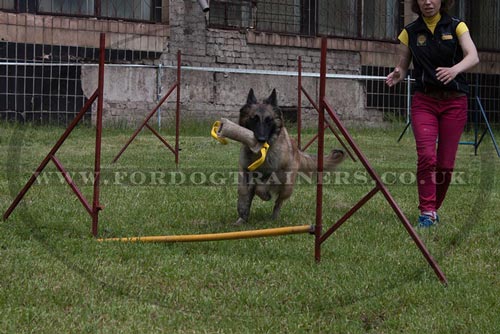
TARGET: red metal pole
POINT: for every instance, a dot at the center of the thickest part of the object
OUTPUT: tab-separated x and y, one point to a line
49	156
138	130
346	216
72	185
177	86
175	150
321	138
299	104
96	207
178	108
160	138
381	186
326	126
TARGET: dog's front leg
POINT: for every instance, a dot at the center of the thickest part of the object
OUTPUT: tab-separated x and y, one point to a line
246	192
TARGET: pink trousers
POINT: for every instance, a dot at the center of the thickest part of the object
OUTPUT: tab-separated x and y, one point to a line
436	123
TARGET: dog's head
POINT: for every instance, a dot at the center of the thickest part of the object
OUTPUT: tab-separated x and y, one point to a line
264	118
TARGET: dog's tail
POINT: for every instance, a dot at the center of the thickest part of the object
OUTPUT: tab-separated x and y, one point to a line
308	163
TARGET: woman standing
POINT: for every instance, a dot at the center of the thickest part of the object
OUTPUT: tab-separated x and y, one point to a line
441	49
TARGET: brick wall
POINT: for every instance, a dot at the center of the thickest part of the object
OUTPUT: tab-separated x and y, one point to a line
60	30
212	95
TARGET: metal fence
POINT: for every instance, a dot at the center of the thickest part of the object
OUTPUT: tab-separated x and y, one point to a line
36	86
41	84
393	102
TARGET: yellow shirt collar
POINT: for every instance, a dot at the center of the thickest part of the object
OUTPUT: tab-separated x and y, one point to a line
432	21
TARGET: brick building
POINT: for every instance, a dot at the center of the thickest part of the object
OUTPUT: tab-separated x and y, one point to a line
143	37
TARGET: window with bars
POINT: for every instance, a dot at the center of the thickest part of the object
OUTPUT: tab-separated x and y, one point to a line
79	7
483	20
375	19
140	10
232	14
8	4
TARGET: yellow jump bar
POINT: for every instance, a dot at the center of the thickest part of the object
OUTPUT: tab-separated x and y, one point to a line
218	236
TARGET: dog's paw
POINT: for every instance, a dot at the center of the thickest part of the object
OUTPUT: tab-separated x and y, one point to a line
239	222
337	154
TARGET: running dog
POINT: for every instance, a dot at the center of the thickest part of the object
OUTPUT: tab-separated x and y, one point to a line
277	175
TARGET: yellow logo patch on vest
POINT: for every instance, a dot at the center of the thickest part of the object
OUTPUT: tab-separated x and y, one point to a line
447	37
421	40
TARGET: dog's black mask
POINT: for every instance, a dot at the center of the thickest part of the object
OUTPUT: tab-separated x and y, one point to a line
264	119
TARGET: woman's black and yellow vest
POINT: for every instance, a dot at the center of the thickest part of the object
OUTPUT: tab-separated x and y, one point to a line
430	51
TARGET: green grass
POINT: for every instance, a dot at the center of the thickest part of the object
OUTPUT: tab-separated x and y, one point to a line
56	278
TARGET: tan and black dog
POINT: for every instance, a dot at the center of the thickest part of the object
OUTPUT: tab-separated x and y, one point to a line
277	175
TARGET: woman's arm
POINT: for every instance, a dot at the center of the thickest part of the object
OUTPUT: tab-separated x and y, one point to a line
401	69
471	59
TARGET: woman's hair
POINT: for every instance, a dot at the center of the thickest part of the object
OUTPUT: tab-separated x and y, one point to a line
445	6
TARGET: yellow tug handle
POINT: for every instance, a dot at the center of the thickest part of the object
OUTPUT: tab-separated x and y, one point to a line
263	151
260	161
215	128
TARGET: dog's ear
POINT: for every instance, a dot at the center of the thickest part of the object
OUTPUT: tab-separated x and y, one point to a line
251	99
272	99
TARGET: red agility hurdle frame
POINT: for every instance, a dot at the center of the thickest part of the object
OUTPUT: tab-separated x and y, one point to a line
320	237
322	107
301	91
94	208
175	150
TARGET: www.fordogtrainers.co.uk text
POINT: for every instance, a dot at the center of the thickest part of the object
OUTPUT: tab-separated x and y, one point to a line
222	178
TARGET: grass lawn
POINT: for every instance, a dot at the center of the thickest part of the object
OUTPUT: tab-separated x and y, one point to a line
56	278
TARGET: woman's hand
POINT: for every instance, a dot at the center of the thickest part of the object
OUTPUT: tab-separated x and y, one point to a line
446	74
394	77
401	69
